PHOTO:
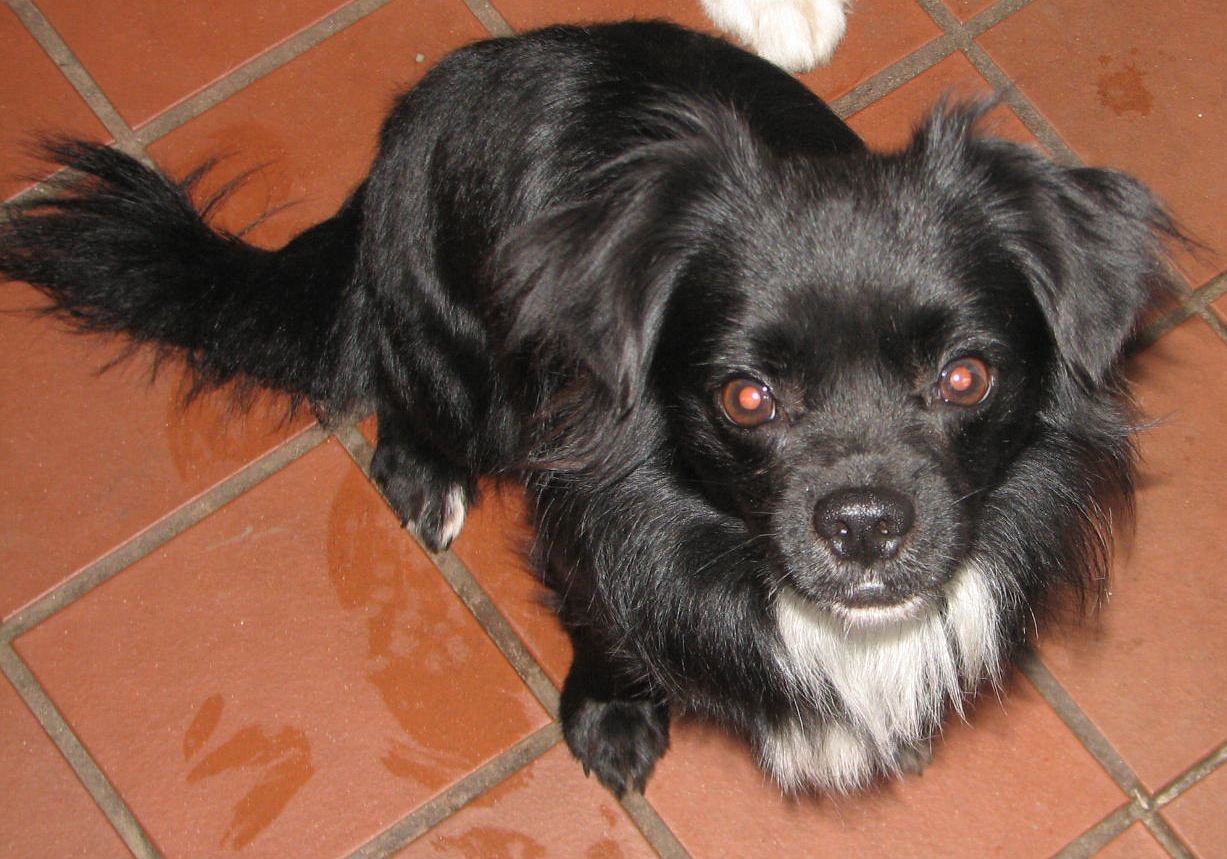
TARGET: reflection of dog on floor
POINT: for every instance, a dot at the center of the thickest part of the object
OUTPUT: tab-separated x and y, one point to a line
794	34
809	432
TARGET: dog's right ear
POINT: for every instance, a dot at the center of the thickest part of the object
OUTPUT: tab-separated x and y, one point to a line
1090	241
587	284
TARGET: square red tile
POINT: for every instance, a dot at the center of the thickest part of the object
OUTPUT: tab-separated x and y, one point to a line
1013	782
288	678
36	99
1129	84
87	461
494	546
546	809
46	811
310	129
1148	668
148	55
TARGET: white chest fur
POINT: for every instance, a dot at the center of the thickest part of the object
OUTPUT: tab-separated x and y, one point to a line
872	692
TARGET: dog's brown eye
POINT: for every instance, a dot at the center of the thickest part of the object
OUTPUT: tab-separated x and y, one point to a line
965	382
747	402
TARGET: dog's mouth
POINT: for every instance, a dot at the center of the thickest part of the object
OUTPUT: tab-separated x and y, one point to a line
860	615
869	603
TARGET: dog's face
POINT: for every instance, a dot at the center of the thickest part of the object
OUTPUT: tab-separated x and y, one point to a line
850	354
849	375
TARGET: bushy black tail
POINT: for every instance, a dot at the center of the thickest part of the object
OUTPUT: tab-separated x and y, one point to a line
123	249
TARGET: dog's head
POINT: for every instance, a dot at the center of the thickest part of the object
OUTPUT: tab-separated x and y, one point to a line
851	354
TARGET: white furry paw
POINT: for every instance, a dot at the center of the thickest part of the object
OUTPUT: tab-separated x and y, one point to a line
794	34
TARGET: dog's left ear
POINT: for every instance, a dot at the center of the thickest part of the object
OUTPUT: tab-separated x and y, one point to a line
1090	241
588	283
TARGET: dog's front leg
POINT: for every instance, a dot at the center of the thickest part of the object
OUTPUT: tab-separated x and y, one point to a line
664	599
614	726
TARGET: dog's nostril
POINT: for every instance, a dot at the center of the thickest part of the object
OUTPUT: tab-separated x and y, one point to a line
864	524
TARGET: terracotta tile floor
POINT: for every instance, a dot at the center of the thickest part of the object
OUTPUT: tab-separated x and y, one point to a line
217	641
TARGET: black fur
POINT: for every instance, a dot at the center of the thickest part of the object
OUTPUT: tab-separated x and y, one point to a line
571	243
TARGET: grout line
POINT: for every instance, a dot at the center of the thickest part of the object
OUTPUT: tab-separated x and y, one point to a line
944	18
1212	290
1144	805
498	628
356	445
645	817
1190	304
1082	727
1101	834
159	533
984	21
73	70
1200	770
653	827
256	68
964	35
894	76
474	597
1167	837
424	818
90	774
490	18
1049	138
1214	321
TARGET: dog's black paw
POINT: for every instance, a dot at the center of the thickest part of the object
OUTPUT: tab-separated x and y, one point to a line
618	741
430	497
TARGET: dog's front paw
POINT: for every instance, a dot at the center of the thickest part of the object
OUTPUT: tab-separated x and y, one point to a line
619	741
429	498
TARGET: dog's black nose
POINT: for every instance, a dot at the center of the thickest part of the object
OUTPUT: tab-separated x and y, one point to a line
864	524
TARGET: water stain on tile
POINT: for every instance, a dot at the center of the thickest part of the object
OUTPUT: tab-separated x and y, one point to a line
419	652
208	717
409	760
1123	90
281	757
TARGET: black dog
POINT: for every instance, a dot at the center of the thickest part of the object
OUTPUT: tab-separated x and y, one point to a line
809	431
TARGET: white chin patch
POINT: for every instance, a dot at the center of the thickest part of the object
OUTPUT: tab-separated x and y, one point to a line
874	682
863	617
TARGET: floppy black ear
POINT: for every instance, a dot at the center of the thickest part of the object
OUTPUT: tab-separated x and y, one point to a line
1090	241
1098	263
589	282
